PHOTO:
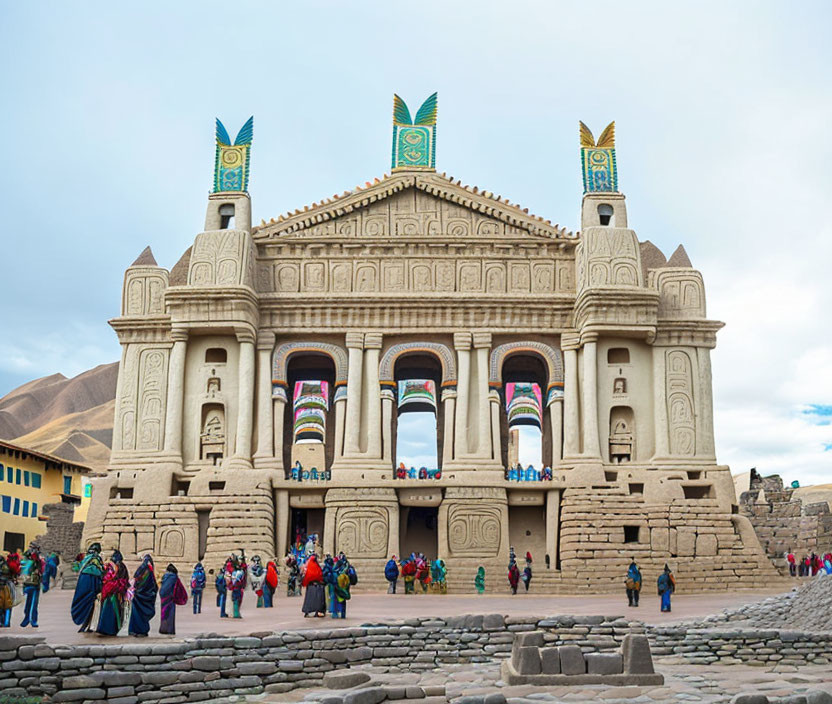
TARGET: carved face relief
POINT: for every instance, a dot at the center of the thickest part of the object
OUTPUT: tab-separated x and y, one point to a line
365	279
445	276
421	278
287	277
469	277
314	276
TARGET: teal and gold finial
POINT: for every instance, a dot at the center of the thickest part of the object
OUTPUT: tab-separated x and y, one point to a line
231	163
598	160
414	141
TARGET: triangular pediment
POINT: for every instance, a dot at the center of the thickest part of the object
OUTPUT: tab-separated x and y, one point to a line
419	205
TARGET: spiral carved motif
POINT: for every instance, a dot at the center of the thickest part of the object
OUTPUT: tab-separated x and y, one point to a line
474	531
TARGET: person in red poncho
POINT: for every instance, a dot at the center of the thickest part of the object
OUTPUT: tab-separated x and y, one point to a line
116	581
270	584
314	600
513	577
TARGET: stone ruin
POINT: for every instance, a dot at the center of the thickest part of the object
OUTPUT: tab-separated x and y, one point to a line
62	535
783	521
533	664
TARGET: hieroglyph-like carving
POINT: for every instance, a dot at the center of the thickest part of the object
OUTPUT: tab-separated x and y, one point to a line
171	542
144	289
680	404
608	257
681	293
141	406
222	258
362	531
474	531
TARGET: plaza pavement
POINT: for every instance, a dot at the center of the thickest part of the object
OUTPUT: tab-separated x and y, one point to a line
57	627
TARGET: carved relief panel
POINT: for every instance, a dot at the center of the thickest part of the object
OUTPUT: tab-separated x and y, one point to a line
474	530
144	290
140	409
362	531
680	403
681	291
222	258
608	257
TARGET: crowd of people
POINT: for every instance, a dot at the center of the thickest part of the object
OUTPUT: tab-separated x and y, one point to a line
810	565
430	574
25	578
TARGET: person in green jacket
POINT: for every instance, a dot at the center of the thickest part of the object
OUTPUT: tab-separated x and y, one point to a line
479	580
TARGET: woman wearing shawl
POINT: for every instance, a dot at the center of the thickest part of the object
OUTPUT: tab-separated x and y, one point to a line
666	585
342	588
87	588
258	576
438	576
479	580
6	593
513	577
423	572
222	592
113	592
314	602
50	570
198	580
409	574
270	584
330	579
391	574
238	587
171	594
144	599
633	583
527	572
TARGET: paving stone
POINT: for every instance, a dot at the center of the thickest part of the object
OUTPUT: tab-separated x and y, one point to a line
367	695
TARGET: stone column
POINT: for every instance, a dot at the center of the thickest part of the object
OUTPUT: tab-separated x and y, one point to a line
355	345
571	437
340	403
705	422
372	349
556	420
279	401
265	422
462	344
176	395
393	530
329	528
660	403
494	403
449	399
281	542
482	344
592	444
245	403
387	400
118	442
552	517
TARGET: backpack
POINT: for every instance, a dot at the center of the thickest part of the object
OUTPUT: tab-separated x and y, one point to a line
353	577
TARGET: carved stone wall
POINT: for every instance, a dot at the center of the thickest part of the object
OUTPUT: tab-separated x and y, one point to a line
608	257
144	291
681	293
476	521
140	408
680	403
222	258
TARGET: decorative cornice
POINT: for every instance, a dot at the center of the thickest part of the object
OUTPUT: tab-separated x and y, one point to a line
462	340
355	340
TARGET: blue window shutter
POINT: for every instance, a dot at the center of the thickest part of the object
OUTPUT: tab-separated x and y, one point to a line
17	478
26	509
9	475
2	472
67	485
16	510
34	510
36	480
7	504
26	477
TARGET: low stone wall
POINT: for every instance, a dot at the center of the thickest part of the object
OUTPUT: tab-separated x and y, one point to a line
211	667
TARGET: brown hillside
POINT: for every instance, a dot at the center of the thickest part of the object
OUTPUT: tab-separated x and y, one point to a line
70	418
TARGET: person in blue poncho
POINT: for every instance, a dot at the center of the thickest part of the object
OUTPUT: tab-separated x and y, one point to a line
50	570
143	607
330	582
88	587
391	574
31	569
198	580
633	583
666	585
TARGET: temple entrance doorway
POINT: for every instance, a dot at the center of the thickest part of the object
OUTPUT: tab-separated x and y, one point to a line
527	533
418	530
306	522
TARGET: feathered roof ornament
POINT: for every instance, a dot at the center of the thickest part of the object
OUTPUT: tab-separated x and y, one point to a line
244	136
425	116
605	141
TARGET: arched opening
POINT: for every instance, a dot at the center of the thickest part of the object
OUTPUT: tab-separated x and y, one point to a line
605	213
212	433
227	216
418	418
621	434
308	425
524	414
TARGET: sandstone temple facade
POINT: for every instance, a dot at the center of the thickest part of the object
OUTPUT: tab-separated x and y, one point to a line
305	338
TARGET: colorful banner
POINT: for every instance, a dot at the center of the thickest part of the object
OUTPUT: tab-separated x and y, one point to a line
310	403
417	395
524	404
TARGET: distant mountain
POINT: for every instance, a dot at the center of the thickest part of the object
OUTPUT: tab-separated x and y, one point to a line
69	418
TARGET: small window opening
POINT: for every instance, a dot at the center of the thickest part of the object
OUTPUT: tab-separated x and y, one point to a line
637	489
631	534
216	355
121	492
694	474
698	492
227	216
610	476
180	487
618	355
605	213
216	486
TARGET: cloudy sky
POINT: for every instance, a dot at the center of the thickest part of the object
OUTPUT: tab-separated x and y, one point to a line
723	114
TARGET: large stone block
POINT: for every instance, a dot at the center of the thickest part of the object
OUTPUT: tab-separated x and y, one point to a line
527	661
572	660
637	659
603	663
550	661
345	679
706	545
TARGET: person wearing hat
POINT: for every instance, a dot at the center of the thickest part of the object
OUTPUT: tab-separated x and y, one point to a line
666	585
88	588
171	594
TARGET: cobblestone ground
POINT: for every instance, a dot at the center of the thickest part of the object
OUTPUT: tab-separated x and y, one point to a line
683	683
